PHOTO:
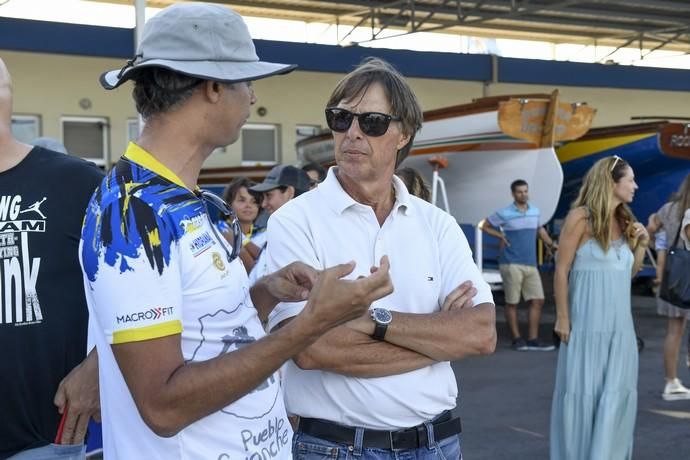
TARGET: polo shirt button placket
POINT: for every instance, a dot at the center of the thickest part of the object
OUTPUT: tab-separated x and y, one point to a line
379	249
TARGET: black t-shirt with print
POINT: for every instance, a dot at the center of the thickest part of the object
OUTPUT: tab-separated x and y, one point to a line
43	313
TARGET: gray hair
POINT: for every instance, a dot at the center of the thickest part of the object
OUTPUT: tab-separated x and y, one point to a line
402	99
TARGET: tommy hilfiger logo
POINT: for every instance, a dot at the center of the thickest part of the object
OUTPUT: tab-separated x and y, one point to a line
150	314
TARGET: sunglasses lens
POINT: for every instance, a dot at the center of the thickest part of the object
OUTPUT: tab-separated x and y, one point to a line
374	124
339	120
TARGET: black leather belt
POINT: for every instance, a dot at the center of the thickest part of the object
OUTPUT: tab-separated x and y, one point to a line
409	438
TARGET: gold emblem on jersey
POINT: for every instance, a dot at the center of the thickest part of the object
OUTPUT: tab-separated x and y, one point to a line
218	261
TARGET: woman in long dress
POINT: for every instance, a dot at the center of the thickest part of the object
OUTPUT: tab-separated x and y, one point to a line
601	248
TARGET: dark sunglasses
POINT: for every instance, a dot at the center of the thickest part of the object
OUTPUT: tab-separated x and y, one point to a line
229	215
372	124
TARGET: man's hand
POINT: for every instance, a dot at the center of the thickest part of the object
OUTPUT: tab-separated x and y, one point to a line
78	395
334	300
460	297
292	283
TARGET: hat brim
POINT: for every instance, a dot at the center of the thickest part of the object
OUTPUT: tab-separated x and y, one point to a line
229	72
263	187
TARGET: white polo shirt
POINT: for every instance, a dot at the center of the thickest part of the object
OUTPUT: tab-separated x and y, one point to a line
429	257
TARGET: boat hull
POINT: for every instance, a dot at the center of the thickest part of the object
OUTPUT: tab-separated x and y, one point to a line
660	160
478	182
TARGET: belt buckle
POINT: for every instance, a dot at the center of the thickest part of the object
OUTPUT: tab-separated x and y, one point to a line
390	440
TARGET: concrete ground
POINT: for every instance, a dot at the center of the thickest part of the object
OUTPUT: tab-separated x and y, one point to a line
505	398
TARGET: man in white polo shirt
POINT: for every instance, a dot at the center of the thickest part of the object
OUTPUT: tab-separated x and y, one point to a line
383	382
186	370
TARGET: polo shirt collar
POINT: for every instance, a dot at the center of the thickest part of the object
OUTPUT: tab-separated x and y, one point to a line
339	200
515	207
138	155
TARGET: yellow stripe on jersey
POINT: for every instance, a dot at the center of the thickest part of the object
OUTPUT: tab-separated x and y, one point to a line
155	331
148	161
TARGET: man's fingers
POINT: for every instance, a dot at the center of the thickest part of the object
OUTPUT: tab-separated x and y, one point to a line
60	398
70	426
379	283
466	300
80	430
294	292
305	274
385	263
340	271
455	294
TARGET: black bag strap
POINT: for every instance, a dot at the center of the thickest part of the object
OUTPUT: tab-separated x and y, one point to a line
675	241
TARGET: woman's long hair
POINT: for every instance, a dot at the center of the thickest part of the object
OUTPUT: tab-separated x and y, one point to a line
596	194
681	198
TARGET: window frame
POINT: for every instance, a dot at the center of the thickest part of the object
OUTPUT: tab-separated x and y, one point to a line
29	116
104	121
276	140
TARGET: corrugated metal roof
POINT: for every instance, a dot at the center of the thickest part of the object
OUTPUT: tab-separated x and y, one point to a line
649	24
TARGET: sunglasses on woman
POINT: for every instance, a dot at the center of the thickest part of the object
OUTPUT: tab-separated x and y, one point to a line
230	216
373	124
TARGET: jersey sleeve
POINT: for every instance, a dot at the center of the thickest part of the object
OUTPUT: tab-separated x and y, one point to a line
130	259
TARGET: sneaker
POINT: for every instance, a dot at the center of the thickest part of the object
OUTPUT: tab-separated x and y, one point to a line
538	345
519	344
675	391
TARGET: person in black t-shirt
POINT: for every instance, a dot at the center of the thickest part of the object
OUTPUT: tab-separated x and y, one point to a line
43	313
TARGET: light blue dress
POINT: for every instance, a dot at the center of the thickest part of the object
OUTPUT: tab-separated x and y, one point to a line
595	398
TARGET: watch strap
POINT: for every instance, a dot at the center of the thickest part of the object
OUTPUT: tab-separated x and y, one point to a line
379	330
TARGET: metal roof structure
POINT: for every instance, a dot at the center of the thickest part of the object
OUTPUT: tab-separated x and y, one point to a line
647	24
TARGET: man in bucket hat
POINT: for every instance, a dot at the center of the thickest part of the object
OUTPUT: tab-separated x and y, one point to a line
186	370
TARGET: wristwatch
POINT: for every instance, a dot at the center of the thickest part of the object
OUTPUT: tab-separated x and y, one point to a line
382	318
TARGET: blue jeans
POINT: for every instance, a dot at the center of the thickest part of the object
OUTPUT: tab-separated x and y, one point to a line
53	452
305	447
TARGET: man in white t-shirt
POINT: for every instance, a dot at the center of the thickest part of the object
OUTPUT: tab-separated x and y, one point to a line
382	382
186	370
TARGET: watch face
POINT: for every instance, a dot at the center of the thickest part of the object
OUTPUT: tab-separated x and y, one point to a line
383	316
